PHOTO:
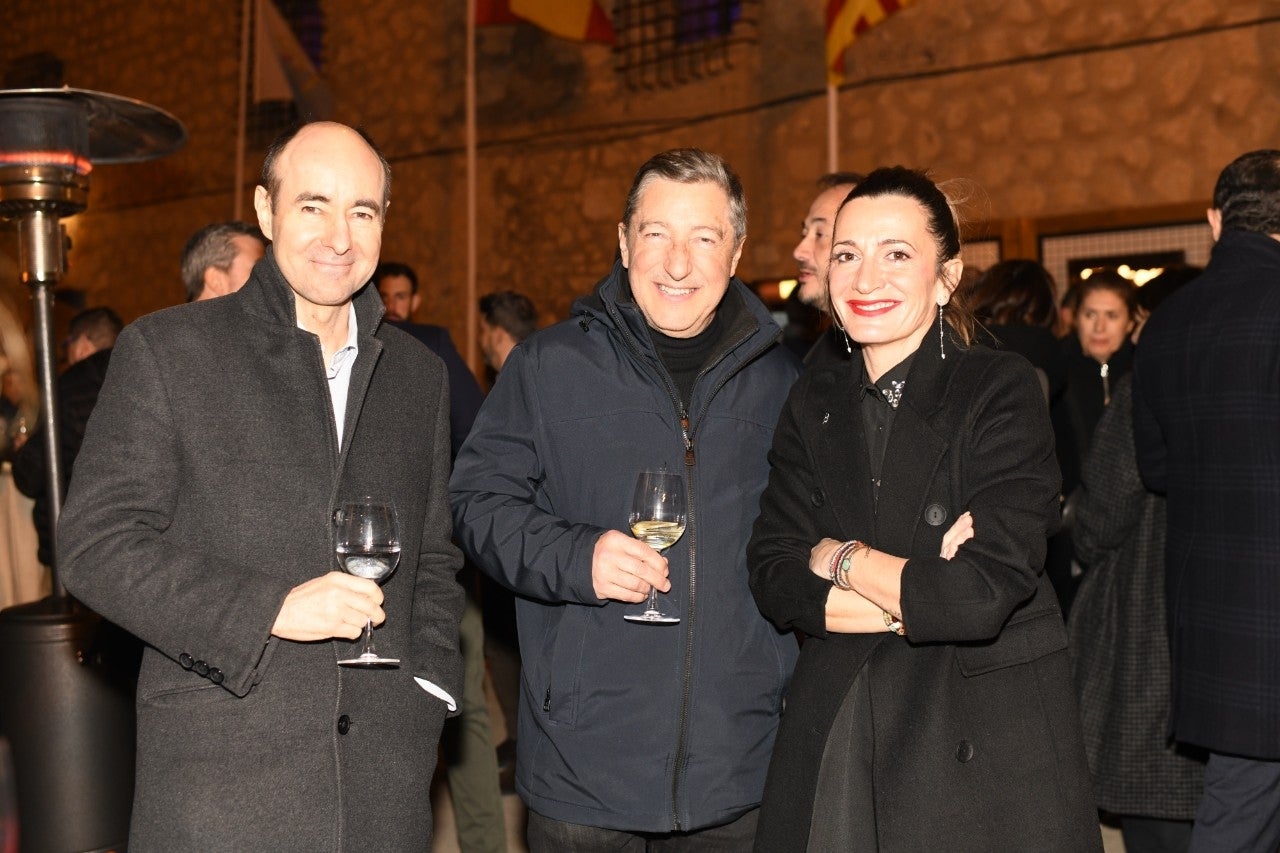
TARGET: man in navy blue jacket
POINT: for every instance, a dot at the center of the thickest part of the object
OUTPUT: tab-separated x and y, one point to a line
1207	432
632	732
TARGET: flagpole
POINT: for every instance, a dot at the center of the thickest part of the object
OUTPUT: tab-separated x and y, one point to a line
833	128
242	121
472	299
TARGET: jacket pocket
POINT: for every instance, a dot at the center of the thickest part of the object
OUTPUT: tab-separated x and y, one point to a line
186	697
1030	637
559	688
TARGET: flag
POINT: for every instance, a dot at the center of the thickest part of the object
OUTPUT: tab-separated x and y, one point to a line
848	19
282	69
576	20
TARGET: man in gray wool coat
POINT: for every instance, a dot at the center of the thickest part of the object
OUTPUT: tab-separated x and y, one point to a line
200	518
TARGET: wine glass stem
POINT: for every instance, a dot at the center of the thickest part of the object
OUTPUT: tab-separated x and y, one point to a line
653	591
368	637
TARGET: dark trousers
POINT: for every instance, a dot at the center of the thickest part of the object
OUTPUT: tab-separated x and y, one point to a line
1155	835
1240	809
556	836
502	649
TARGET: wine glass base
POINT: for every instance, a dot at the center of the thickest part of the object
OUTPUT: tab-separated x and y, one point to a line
651	617
372	661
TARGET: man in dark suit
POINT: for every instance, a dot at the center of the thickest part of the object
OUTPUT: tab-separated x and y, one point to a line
506	319
218	258
200	519
813	257
397	284
1207	433
470	761
90	338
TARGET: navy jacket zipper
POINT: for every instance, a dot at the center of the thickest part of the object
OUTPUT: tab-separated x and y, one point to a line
691	530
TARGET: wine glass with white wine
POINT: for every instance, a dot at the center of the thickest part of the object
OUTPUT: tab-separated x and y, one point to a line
658	520
367	543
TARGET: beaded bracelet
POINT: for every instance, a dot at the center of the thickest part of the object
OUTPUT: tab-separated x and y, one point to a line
842	561
837	559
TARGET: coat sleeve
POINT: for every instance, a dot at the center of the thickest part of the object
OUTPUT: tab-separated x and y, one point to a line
501	514
787	593
1110	503
1148	437
115	554
438	598
1009	479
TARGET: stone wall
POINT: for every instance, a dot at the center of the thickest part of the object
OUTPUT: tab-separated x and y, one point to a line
1051	107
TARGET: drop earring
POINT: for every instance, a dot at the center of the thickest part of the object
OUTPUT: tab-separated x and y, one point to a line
941	343
835	321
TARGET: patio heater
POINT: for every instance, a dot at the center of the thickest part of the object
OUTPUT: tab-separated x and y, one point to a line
66	694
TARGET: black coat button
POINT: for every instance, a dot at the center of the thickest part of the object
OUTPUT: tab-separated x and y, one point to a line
934	515
202	668
186	661
817	498
344	724
215	675
964	751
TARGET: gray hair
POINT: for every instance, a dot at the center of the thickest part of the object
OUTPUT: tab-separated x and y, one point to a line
691	166
212	246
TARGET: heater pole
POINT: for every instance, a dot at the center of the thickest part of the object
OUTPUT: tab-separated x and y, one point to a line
41	249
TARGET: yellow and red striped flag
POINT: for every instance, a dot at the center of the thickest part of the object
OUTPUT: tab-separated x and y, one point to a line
848	19
576	20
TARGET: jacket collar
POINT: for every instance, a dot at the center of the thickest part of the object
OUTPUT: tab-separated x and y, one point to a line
750	331
268	296
1237	249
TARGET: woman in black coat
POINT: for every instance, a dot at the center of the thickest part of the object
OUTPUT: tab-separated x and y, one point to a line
1097	354
932	706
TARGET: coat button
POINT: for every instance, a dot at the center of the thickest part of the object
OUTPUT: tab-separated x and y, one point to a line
934	515
215	675
186	661
817	498
344	724
201	668
964	751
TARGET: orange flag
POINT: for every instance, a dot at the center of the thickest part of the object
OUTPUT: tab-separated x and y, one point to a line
846	20
576	20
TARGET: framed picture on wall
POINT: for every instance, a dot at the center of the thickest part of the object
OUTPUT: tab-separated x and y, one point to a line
1138	252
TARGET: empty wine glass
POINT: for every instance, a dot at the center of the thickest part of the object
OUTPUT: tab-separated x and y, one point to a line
367	542
657	519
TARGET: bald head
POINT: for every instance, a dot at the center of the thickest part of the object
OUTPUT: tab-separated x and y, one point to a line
270	177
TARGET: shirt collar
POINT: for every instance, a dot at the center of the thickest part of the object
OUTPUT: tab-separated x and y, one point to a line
891	384
348	350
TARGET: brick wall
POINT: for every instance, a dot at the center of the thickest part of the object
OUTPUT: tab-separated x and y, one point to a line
1051	107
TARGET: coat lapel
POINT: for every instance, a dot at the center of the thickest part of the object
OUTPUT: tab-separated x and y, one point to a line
915	449
846	481
368	318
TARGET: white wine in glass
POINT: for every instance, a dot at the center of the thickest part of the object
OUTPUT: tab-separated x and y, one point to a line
367	543
658	520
